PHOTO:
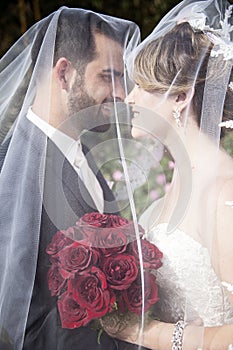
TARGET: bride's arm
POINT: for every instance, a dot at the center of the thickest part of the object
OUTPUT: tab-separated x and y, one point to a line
222	250
158	336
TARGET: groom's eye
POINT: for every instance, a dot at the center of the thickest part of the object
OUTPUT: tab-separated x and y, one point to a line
107	78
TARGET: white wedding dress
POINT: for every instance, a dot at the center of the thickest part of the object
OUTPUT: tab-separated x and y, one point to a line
189	287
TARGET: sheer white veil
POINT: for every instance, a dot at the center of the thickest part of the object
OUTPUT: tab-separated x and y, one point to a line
26	72
36	198
214	18
157	66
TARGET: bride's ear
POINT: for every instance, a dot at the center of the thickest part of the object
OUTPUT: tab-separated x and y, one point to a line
183	99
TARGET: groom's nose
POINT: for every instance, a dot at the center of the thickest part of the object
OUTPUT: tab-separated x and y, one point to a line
118	92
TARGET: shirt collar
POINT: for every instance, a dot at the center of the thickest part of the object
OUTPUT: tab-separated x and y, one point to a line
68	146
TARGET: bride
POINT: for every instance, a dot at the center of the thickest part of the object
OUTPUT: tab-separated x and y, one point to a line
183	73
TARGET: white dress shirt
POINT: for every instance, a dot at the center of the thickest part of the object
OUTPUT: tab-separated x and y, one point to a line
72	150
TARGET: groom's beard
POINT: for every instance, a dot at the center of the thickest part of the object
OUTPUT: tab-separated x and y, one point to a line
79	103
78	98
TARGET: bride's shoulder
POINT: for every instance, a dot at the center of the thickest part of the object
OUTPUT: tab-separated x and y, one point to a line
226	167
225	180
221	185
226	192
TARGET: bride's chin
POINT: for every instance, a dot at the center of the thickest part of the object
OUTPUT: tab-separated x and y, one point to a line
138	133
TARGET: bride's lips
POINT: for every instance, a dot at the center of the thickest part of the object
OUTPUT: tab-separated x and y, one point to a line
135	113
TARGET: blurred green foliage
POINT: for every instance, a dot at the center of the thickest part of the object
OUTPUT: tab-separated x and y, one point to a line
227	142
148	167
19	15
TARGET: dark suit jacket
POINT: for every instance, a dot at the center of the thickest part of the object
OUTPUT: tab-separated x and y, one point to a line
64	200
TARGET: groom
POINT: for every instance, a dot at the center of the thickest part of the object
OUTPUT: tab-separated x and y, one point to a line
84	67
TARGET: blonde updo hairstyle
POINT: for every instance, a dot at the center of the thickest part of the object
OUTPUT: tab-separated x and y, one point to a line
175	63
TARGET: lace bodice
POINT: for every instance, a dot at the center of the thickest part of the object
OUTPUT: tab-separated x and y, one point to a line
188	284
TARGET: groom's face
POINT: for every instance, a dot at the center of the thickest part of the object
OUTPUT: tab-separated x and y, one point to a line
101	83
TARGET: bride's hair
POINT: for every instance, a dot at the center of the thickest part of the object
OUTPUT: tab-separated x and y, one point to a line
176	62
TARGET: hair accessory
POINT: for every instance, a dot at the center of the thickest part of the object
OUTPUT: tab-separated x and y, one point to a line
198	21
220	37
227	124
177	337
176	114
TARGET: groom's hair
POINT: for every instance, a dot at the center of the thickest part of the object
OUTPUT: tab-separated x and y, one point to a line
75	36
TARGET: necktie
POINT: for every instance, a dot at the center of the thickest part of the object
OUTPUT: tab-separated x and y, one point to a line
89	179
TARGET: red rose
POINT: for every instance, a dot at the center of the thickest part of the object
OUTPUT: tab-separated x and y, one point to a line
130	232
131	298
89	233
111	241
76	257
116	221
60	240
120	270
89	290
95	264
151	255
55	280
88	226
94	219
78	234
95	227
71	314
102	220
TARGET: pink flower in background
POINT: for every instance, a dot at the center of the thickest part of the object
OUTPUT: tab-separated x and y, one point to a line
117	175
154	195
171	164
167	187
161	179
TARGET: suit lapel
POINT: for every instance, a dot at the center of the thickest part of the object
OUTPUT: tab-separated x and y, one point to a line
65	196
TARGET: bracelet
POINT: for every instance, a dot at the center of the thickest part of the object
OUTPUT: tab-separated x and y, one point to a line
177	337
228	286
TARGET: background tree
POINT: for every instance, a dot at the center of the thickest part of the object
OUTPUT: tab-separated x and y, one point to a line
18	15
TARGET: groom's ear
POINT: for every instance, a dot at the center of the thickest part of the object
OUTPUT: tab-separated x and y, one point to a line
63	72
183	99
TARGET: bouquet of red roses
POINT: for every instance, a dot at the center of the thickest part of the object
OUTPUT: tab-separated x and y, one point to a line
95	269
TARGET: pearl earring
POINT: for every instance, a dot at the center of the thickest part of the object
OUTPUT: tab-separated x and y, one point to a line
176	114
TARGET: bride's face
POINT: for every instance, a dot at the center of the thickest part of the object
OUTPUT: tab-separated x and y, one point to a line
155	101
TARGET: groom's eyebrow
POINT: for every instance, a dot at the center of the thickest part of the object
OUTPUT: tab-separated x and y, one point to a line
114	72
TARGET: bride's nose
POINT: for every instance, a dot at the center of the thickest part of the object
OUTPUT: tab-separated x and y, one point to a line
130	98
